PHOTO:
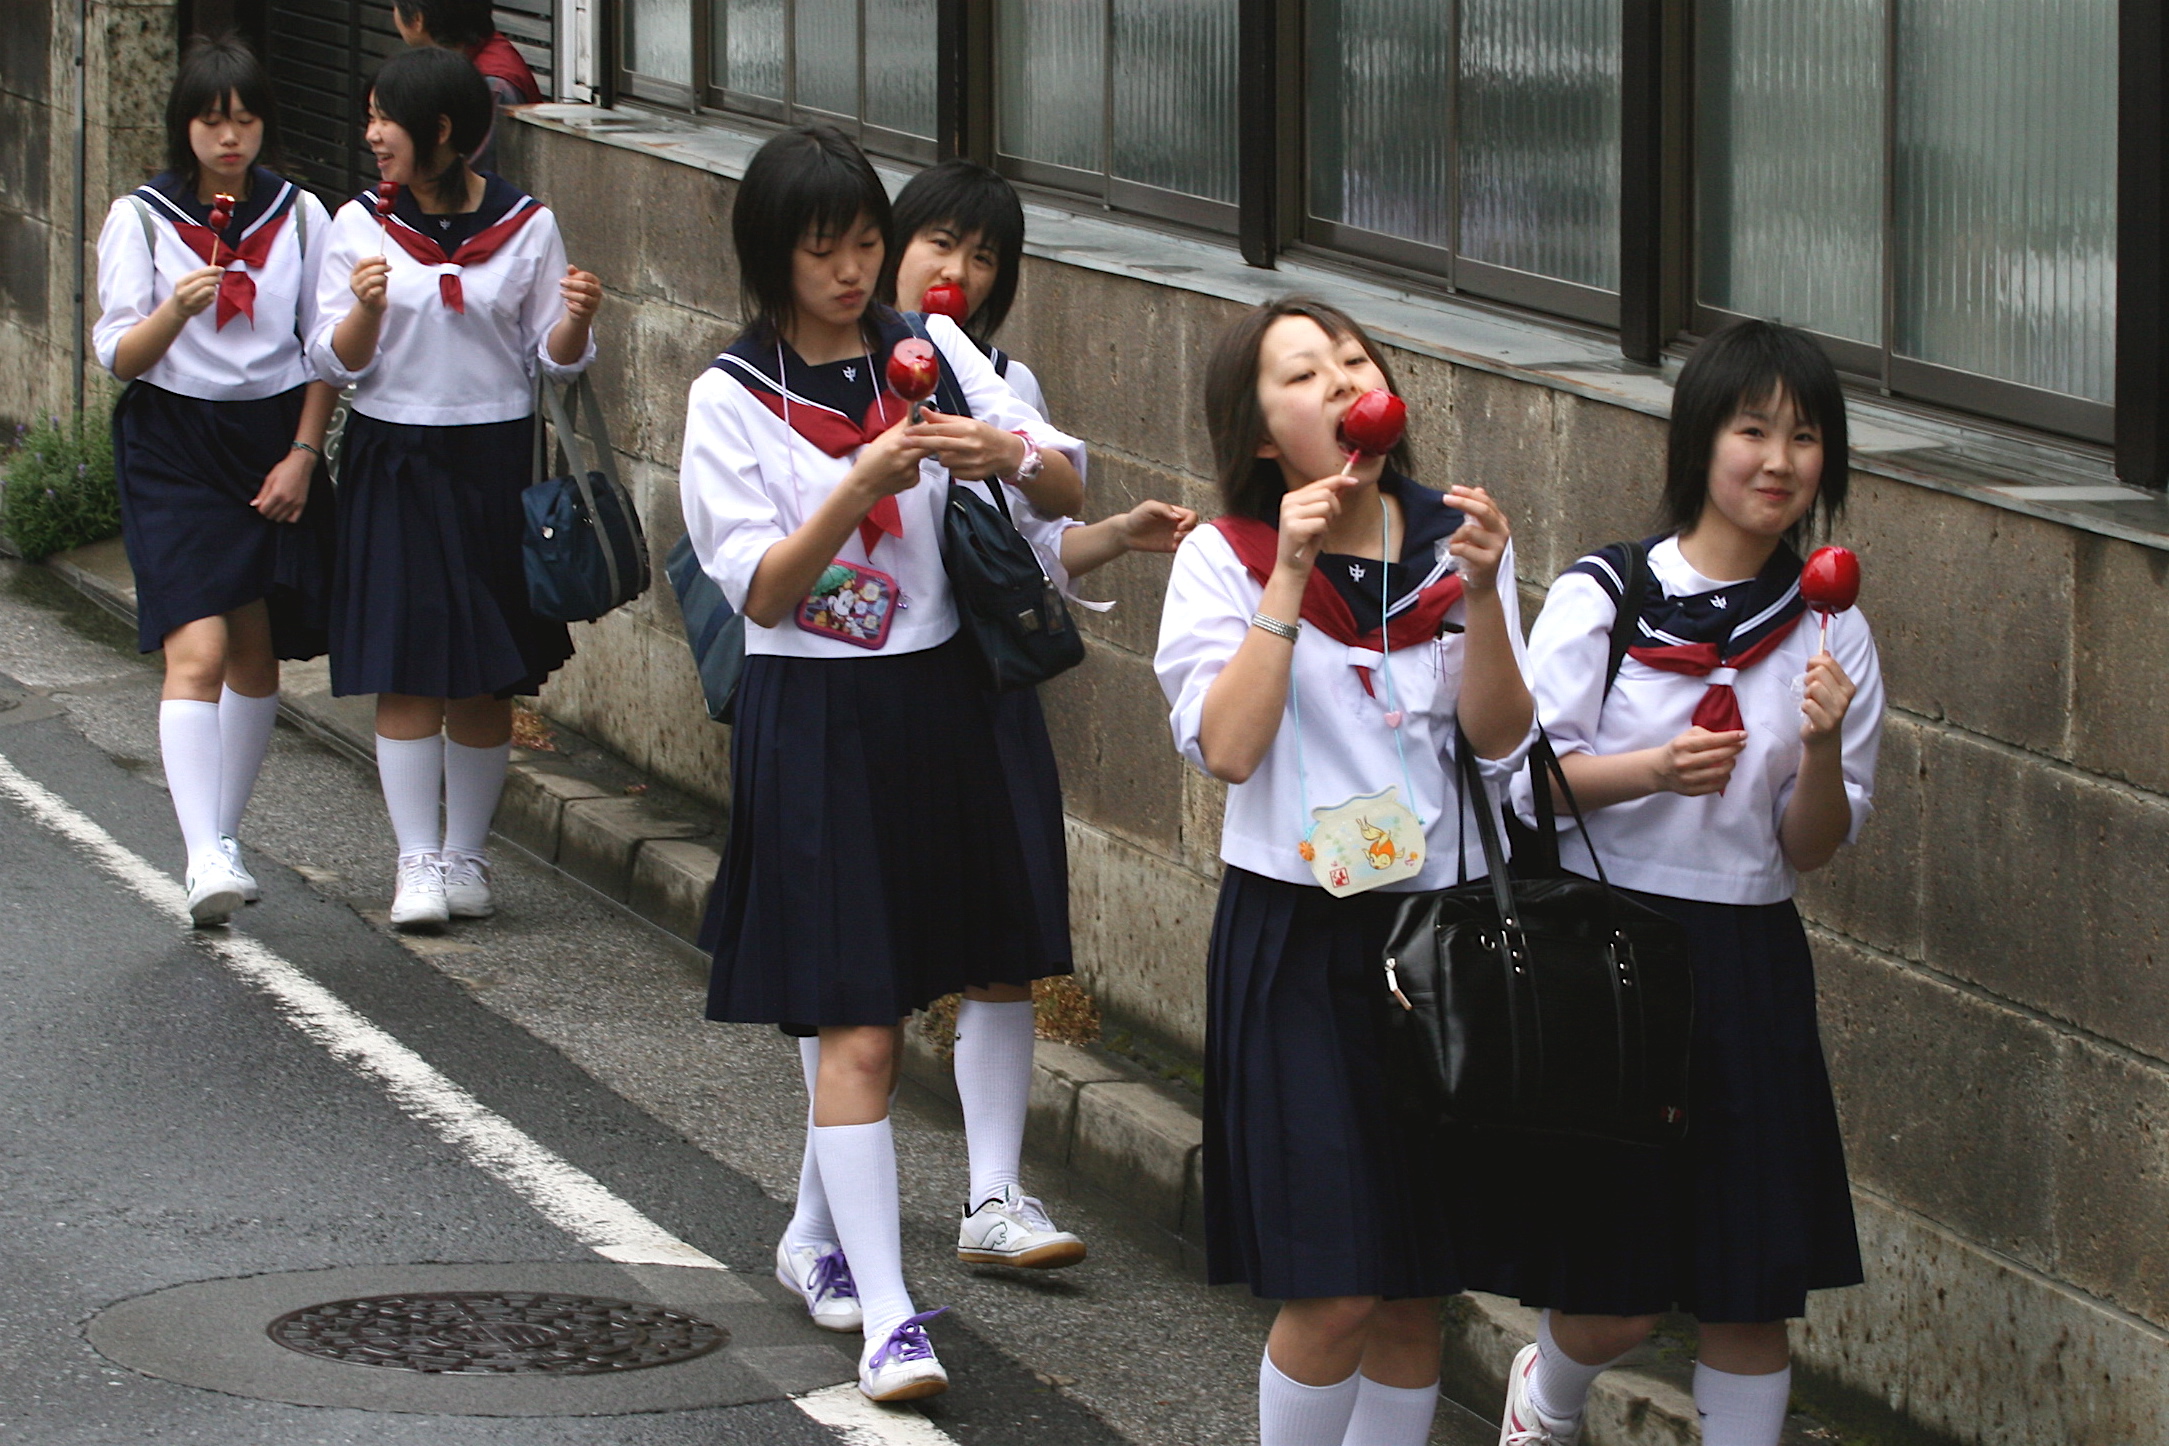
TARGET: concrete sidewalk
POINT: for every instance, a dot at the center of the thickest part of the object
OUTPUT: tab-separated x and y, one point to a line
1101	1119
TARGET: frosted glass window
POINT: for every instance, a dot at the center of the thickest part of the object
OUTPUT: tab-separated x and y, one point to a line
900	65
2006	171
1174	95
748	46
1381	129
1791	162
1053	81
659	39
1539	104
828	55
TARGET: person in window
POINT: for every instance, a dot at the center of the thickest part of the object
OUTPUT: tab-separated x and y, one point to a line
961	224
207	277
1322	645
874	862
440	314
470	28
1734	752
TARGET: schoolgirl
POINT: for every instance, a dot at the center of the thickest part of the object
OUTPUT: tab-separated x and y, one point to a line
1733	752
961	224
469	27
1322	643
439	314
207	279
874	862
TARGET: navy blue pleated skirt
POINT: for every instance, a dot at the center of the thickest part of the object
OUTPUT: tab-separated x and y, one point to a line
1312	1186
430	596
1739	1223
1035	793
874	861
186	470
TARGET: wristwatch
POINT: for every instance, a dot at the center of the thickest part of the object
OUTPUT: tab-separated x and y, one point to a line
1029	469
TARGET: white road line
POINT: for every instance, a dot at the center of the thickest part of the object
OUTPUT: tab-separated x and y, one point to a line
562	1193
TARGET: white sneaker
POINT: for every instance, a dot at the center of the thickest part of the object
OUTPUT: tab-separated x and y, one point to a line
467	893
902	1367
418	902
822	1279
1012	1228
214	893
251	891
1522	1425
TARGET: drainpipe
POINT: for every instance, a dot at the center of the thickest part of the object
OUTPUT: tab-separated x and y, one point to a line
82	179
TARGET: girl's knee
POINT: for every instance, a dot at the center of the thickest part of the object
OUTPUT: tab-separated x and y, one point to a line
1331	1317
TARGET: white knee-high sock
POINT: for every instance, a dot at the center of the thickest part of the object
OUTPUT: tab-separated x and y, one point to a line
1293	1414
858	1165
1741	1410
412	772
1560	1387
188	743
994	1084
810	1220
474	779
1391	1415
244	728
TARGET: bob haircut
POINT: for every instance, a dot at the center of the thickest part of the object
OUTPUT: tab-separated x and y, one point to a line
973	201
1250	485
450	22
810	180
212	73
414	88
1747	363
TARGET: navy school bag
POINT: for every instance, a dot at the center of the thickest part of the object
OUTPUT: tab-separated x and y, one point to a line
583	546
714	630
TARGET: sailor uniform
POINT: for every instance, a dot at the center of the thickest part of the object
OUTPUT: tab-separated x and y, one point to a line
1754	1210
1310	1189
875	860
196	434
431	593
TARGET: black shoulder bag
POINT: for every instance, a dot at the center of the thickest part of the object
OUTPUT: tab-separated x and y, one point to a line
1550	1005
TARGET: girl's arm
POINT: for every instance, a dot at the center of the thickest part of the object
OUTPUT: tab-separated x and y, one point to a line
1495	709
582	294
1819	815
286	487
143	344
981	445
1147	527
134	330
886	466
354	339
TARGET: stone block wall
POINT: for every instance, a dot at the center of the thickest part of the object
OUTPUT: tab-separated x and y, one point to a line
1994	972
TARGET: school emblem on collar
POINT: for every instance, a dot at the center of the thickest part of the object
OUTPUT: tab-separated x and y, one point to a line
850	374
1370	840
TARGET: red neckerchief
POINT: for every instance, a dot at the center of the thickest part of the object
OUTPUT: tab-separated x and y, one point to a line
1257	547
1697	637
236	288
473	251
829	430
496	56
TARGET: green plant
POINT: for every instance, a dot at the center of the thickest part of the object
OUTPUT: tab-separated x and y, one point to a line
56	485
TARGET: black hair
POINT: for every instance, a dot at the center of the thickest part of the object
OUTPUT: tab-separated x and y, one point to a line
1746	363
213	71
809	179
451	22
1250	485
414	89
975	201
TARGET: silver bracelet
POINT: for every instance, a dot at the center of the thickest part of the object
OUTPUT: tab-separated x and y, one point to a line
1279	629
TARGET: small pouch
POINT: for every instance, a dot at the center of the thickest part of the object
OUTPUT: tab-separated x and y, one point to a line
851	603
1368	841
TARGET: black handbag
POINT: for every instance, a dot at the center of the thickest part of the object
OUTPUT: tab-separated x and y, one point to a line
1549	1005
714	630
1004	598
583	546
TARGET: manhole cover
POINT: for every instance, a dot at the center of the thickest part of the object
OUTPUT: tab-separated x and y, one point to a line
497	1334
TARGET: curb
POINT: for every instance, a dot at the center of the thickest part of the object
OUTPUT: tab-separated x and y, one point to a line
1098	1119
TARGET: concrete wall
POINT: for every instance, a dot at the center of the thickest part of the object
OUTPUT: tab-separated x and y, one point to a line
131	59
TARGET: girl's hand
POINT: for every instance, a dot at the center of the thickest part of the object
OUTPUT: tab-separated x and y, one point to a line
197	290
372	274
889	464
1827	696
1698	762
582	291
1155	527
1480	541
1305	514
286	487
971	449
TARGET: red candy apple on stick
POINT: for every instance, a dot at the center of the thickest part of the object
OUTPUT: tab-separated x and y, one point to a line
1830	583
221	218
1373	424
946	299
387	193
914	372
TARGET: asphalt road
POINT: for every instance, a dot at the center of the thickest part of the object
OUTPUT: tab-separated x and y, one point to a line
164	1122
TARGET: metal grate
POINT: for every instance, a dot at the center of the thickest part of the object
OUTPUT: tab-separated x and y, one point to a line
497	1333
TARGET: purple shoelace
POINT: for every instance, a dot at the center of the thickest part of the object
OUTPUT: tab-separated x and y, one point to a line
832	1278
907	1342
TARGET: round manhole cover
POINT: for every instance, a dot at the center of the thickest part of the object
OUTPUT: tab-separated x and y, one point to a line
497	1334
